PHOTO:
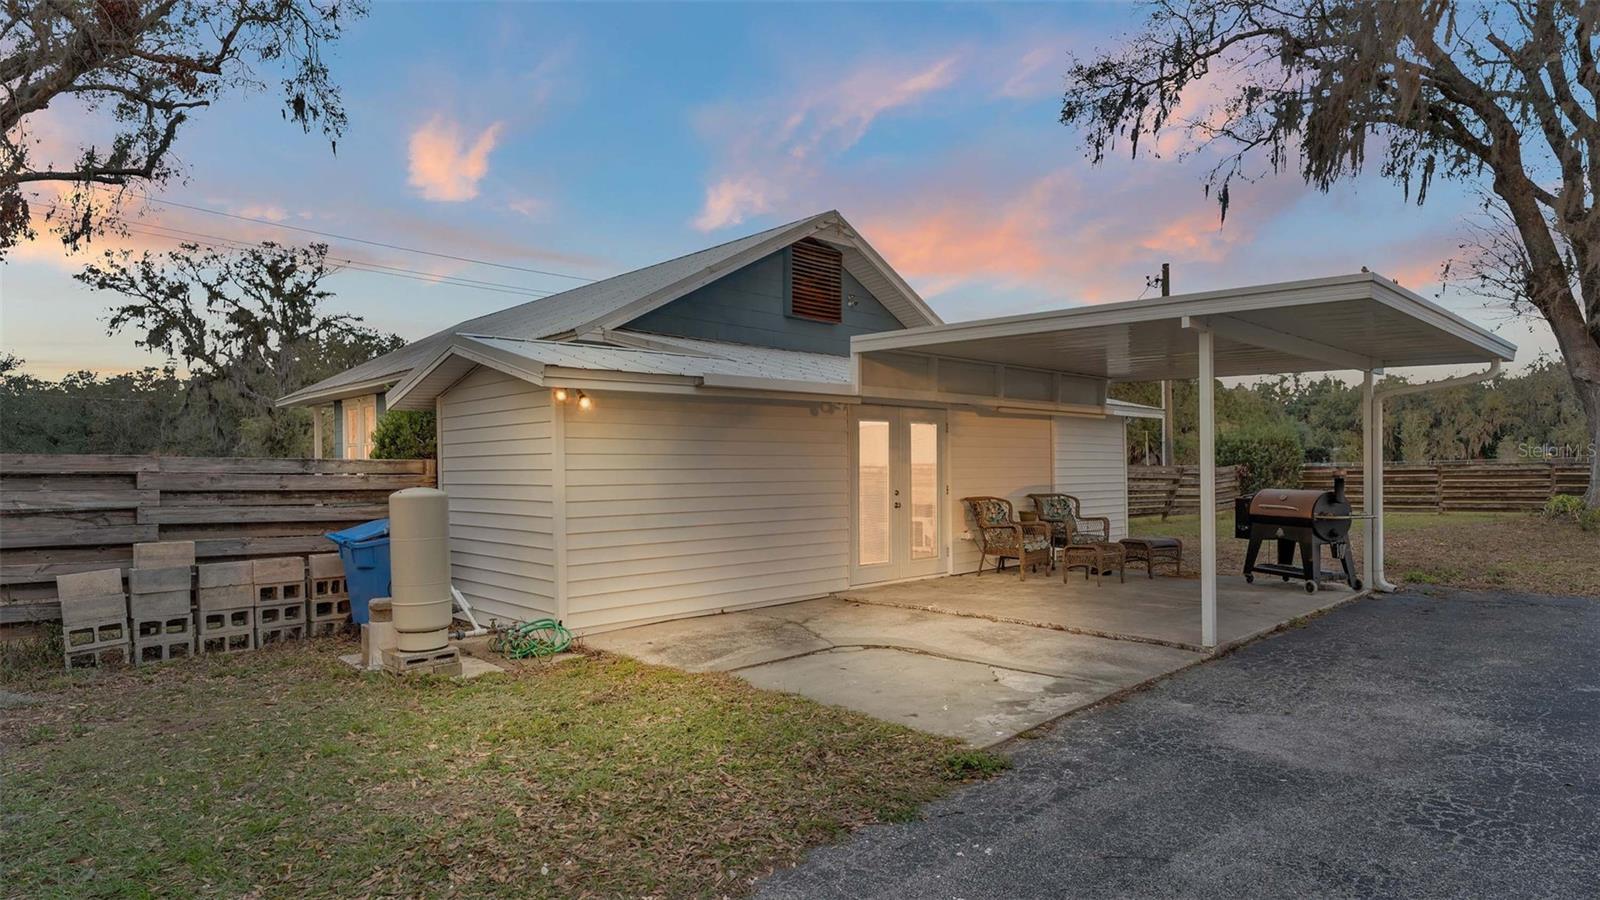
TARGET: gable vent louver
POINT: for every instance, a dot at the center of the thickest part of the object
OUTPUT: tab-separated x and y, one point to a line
815	282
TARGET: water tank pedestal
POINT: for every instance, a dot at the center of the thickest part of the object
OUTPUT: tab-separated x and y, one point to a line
419	583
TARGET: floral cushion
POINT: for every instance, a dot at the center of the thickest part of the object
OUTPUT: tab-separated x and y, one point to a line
1054	507
991	512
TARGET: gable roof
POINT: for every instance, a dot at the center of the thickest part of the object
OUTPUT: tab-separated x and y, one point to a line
707	363
612	302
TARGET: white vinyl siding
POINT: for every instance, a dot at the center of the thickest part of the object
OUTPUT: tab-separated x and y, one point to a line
1091	464
679	507
994	456
495	462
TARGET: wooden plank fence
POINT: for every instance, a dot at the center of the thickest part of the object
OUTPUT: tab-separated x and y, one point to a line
1163	490
62	514
1467	486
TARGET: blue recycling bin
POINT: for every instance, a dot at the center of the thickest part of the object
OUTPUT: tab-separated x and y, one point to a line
364	549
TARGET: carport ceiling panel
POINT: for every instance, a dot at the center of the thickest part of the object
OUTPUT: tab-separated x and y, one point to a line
1145	352
1386	335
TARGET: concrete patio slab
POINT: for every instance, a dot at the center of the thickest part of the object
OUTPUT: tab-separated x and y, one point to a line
977	703
1161	610
977	680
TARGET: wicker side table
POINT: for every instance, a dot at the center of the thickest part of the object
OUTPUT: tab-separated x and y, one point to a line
1154	550
1098	556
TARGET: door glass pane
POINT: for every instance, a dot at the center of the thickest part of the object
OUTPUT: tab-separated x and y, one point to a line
352	431
370	425
873	495
924	490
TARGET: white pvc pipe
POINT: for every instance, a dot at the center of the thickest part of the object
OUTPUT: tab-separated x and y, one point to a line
466	613
1373	424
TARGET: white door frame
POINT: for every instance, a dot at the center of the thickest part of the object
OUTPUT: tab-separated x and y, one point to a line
900	565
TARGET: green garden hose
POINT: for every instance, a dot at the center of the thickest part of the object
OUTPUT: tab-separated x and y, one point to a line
538	639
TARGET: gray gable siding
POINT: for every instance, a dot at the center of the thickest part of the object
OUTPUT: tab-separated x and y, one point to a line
749	307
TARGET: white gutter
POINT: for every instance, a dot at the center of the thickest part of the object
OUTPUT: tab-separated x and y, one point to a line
1372	419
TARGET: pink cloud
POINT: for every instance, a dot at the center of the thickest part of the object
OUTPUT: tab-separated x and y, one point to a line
271	212
1038	72
733	199
978	235
777	147
445	166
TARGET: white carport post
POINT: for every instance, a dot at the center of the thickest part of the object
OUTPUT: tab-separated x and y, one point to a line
1372	479
1208	489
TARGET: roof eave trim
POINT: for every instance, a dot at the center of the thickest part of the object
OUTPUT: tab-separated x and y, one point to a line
472	351
882	265
1129	410
307	397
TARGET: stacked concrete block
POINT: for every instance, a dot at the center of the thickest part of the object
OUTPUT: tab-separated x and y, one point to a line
160	588
225	598
94	619
280	597
163	622
443	661
330	595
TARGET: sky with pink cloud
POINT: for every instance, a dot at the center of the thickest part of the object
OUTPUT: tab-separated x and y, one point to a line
582	141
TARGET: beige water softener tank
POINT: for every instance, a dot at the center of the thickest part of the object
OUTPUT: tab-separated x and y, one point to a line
419	568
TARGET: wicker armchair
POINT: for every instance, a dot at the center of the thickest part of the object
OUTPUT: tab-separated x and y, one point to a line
1000	535
1068	525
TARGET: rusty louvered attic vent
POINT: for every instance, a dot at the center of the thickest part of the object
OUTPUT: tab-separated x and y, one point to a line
815	281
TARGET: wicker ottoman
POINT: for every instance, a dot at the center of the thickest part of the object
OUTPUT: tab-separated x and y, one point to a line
1098	557
1153	550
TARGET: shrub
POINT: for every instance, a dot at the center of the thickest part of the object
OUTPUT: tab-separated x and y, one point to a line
1269	454
404	434
1589	519
1563	506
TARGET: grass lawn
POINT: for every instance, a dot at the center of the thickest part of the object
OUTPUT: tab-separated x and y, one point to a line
283	772
1517	551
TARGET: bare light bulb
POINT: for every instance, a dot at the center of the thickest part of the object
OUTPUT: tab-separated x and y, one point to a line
584	402
561	395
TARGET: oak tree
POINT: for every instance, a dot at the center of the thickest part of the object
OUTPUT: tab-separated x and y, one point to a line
1503	95
248	325
154	63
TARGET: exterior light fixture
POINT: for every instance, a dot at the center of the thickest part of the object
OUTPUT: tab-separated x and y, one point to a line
561	395
584	402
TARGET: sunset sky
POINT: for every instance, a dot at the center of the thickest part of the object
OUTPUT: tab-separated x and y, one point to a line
586	141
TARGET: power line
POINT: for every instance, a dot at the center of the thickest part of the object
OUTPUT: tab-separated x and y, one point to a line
363	265
179	235
344	237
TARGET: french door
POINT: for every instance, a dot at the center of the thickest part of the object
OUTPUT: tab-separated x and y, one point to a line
899	483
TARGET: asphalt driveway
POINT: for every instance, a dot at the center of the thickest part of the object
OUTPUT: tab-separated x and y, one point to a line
1439	745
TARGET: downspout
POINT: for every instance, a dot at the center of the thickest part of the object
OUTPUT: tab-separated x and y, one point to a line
1374	482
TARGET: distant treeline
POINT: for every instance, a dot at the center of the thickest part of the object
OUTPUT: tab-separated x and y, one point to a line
1531	415
157	410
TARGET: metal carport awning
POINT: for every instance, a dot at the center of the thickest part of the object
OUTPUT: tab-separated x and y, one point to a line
1361	322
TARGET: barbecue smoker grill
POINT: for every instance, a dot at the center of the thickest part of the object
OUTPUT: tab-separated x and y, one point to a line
1307	519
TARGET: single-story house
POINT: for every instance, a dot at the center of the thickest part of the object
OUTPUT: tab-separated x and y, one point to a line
781	417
